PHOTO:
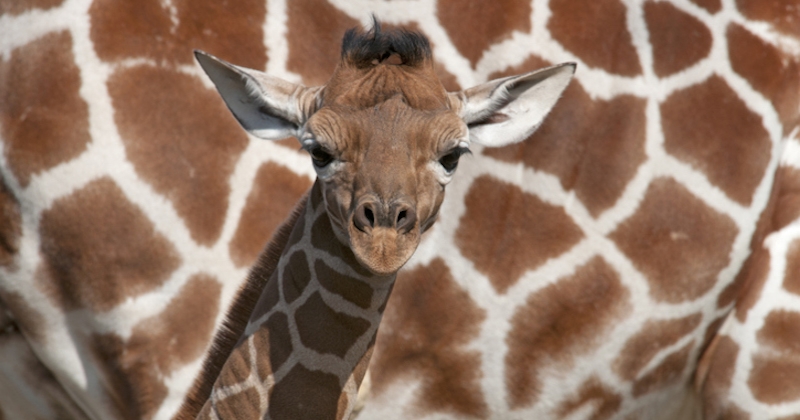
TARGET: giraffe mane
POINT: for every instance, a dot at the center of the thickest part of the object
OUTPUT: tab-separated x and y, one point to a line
367	49
238	315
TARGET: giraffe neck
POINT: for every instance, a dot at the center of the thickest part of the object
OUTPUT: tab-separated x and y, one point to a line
310	333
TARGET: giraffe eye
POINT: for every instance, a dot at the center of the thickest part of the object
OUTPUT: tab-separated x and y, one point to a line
450	161
320	157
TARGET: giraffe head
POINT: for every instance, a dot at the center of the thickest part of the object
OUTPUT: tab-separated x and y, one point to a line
383	134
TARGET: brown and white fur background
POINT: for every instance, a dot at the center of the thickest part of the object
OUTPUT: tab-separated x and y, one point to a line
638	256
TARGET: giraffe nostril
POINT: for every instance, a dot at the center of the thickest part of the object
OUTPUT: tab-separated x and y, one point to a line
364	217
405	220
370	216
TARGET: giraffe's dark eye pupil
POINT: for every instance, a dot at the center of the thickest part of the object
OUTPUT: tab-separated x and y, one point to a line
450	161
320	157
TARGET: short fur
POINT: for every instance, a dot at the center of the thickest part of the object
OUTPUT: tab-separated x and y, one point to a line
238	315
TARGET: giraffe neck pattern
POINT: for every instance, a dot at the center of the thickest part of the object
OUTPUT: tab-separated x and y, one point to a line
310	332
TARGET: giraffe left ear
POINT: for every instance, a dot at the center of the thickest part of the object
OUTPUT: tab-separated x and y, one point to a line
267	107
508	110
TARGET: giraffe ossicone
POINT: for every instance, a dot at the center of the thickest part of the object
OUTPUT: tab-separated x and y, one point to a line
385	139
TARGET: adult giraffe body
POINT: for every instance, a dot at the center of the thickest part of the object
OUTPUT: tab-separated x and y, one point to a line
669	170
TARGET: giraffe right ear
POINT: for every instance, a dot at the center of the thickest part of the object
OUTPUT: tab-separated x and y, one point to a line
267	107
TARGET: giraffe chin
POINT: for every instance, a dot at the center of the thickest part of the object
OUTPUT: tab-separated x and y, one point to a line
383	250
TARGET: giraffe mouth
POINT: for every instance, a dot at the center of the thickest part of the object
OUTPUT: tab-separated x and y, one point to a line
383	250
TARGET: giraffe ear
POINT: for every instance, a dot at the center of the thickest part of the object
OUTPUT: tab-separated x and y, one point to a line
267	107
508	110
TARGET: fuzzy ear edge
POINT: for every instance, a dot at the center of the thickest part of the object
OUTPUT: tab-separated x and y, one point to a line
508	110
267	107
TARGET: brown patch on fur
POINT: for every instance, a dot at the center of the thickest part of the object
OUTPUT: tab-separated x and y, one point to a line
352	290
179	140
321	232
783	14
326	331
676	241
771	72
712	6
679	40
123	30
215	27
144	29
654	336
773	379
774	376
93	265
709	127
719	361
10	225
506	232
295	276
166	338
787	209
560	321
280	344
594	147
428	323
227	336
780	332
15	7
274	194
289	398
314	31
791	276
597	33
473	27
605	401
666	373
43	119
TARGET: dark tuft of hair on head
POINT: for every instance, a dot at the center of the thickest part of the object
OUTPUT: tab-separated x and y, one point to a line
367	49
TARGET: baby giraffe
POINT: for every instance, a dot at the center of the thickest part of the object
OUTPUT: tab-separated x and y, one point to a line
385	139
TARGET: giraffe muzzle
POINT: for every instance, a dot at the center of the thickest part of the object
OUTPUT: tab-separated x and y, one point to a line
372	213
